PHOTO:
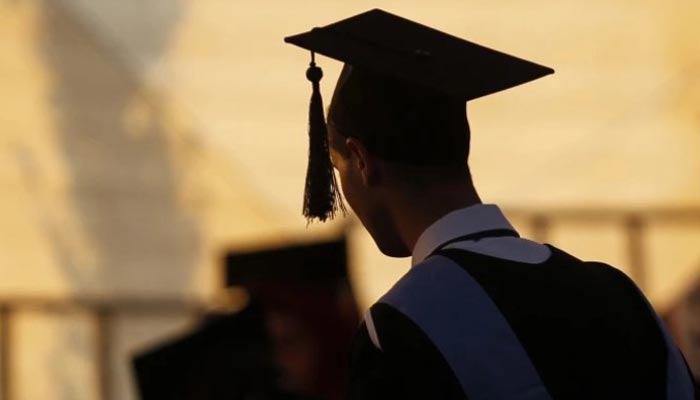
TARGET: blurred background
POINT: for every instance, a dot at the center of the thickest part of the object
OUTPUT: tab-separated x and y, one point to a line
145	146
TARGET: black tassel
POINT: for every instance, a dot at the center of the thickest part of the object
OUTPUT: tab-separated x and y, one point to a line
322	198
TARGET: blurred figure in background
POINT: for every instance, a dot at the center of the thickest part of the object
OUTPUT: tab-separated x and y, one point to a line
289	342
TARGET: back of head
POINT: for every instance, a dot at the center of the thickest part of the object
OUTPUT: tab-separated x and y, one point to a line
399	121
402	94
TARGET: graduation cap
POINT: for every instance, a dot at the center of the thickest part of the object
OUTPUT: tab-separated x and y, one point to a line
385	51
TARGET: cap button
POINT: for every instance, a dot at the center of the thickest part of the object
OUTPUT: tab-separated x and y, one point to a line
422	53
314	73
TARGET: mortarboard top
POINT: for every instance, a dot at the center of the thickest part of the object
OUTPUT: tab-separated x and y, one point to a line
323	263
382	45
390	45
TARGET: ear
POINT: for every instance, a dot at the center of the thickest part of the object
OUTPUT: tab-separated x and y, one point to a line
362	161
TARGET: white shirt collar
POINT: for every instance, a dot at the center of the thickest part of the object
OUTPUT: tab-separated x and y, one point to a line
465	221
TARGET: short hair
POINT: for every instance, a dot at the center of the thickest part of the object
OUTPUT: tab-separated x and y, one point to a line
400	122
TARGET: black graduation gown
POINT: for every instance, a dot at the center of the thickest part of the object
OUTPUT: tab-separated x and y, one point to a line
563	329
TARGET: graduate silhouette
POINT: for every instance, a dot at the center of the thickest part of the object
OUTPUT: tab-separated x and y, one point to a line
482	313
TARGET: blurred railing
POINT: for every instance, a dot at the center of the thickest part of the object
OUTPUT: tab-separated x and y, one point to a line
102	311
633	222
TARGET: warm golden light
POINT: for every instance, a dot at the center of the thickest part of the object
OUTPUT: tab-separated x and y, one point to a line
138	142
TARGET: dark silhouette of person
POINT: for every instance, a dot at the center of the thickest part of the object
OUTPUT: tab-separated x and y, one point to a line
289	343
482	313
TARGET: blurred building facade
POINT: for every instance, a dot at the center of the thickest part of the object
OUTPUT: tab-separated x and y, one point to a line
141	140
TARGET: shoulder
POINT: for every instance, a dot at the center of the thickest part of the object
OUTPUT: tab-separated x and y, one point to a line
390	323
392	355
423	282
393	332
603	279
399	324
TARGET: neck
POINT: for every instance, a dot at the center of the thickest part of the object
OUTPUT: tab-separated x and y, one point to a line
414	212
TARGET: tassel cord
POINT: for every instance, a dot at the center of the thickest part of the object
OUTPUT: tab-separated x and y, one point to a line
322	197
